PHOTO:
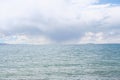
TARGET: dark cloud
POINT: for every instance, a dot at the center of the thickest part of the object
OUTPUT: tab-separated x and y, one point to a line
65	34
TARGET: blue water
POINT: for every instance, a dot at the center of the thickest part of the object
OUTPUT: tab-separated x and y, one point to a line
60	62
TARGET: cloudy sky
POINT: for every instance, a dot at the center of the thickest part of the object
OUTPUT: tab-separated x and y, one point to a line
59	21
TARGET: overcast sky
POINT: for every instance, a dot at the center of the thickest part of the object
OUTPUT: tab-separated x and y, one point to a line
59	21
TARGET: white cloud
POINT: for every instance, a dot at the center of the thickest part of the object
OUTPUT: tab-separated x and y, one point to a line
59	21
23	39
93	38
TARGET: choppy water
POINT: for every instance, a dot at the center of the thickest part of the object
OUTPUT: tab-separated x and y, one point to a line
60	62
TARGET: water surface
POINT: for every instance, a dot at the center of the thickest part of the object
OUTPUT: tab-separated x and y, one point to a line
60	62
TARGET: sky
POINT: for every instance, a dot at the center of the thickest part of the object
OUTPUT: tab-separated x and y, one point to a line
59	21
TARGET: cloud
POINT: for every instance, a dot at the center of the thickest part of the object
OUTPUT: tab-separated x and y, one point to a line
59	21
93	38
23	39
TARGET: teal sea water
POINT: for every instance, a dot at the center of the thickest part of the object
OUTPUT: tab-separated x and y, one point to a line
60	62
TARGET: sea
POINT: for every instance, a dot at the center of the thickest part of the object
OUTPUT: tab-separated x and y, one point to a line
60	62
